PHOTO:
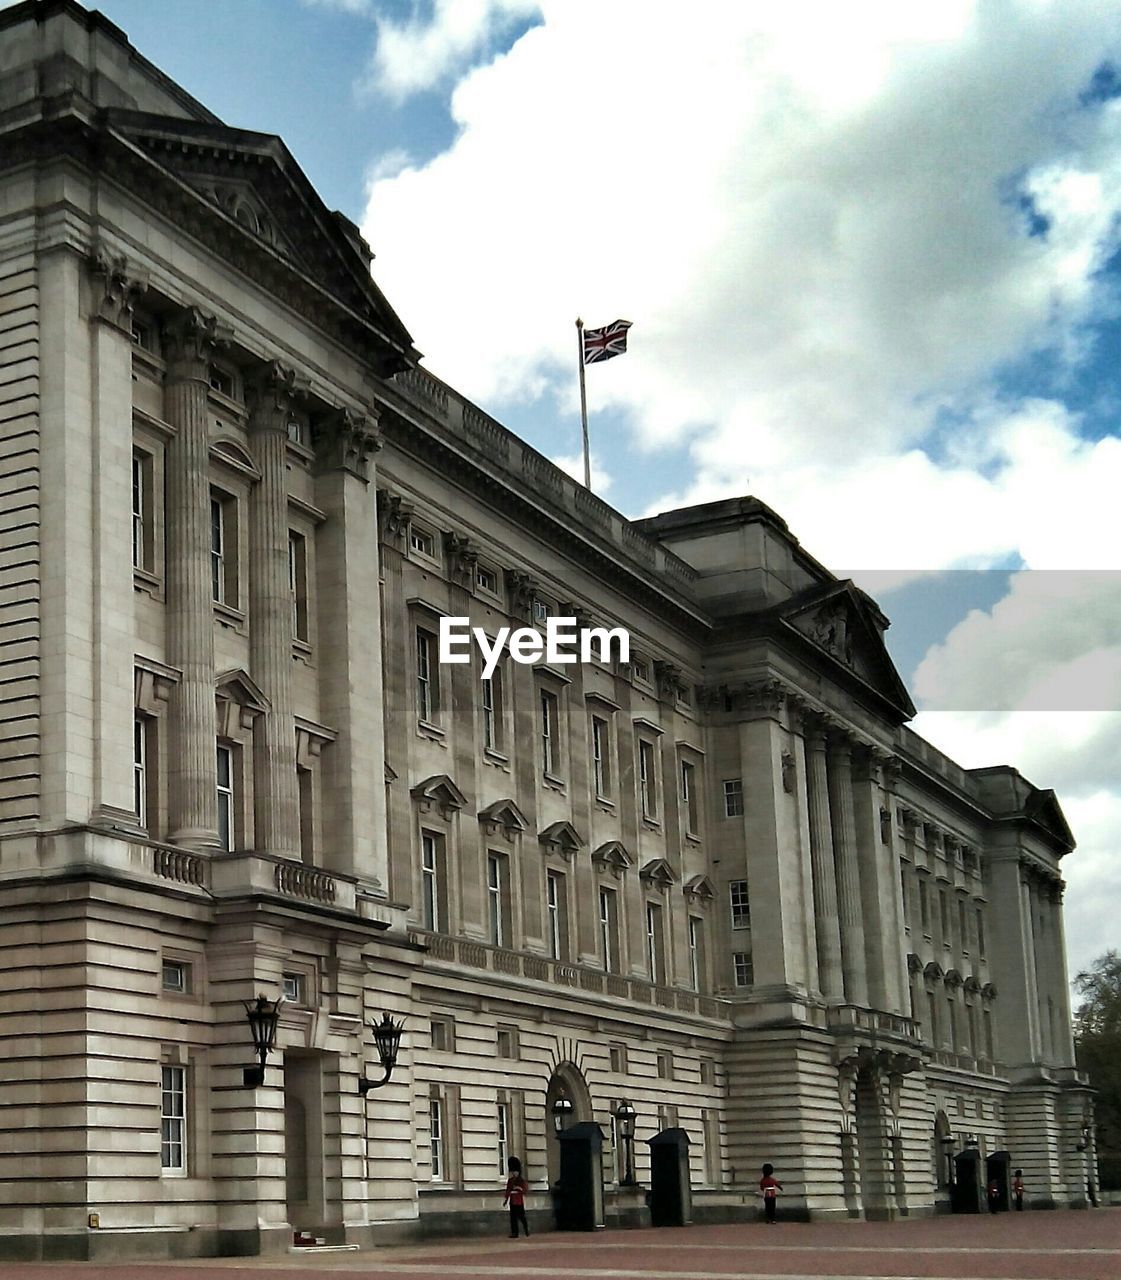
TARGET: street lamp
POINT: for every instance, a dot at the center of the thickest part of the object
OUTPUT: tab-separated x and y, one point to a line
624	1123
387	1039
262	1014
947	1141
562	1109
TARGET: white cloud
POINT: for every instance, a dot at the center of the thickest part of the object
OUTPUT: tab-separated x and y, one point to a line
419	53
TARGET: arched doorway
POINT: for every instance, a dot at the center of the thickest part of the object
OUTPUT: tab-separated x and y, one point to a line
567	1082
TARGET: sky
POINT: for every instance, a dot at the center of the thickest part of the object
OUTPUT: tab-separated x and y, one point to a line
871	254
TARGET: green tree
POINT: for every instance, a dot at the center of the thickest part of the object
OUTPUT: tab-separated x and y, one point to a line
1097	1039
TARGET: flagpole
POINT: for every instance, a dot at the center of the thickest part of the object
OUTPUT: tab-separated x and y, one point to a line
583	403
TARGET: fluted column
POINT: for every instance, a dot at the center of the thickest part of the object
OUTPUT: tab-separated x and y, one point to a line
826	921
848	871
192	798
276	796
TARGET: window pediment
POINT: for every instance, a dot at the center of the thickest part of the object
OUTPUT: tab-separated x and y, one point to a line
612	857
240	701
439	792
503	816
562	838
699	889
658	872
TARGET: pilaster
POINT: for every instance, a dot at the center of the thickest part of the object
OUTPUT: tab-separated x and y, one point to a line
272	394
189	341
350	644
827	924
848	870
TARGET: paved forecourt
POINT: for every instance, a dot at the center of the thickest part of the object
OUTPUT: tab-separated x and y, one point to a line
1028	1246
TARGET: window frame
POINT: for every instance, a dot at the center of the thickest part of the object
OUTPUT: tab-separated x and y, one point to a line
601	756
608	917
499	914
427	676
656	943
550	733
433	874
739	903
556	913
733	798
690	807
298	579
229	751
647	772
174	1083
743	966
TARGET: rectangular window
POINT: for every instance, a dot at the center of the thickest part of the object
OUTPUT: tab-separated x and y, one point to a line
541	613
305	792
498	899
963	926
143	525
223	550
987	1022
647	782
503	1125
601	757
436	1138
486	580
944	917
556	907
492	711
609	930
550	733
422	541
617	1056
221	381
740	903
296	431
664	1064
655	944
432	881
640	669
924	906
175	977
226	799
297	585
689	796
292	987
733	797
696	952
443	1035
427	700
173	1119
707	1071
742	969
506	1040
140	769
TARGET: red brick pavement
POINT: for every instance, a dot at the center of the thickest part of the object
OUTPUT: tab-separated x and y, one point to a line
1029	1246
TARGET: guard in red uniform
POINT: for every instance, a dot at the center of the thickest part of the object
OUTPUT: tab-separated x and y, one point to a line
516	1187
769	1187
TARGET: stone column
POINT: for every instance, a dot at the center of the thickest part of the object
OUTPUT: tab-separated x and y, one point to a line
848	870
1064	1050
350	651
1027	904
276	799
192	801
821	857
881	893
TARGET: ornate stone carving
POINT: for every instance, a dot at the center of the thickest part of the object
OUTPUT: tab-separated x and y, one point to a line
116	287
272	393
761	698
394	514
190	339
830	629
347	440
788	773
463	556
521	590
667	678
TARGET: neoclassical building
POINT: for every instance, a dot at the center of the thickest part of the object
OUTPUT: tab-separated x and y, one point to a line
723	881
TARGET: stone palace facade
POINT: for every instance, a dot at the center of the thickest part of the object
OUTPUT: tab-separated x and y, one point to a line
723	881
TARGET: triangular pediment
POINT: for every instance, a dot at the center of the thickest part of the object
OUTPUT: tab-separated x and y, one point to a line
561	836
237	686
846	627
658	872
504	815
699	889
1044	809
261	206
439	790
613	856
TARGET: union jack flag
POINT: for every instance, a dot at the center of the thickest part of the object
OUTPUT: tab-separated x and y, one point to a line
602	344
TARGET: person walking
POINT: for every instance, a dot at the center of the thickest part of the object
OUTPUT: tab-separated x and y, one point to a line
1018	1188
516	1188
769	1187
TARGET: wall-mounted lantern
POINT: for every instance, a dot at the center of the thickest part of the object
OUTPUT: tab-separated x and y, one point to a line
562	1109
263	1014
624	1123
387	1040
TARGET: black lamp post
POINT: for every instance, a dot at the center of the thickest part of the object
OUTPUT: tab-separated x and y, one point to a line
262	1014
562	1109
387	1039
624	1123
948	1155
